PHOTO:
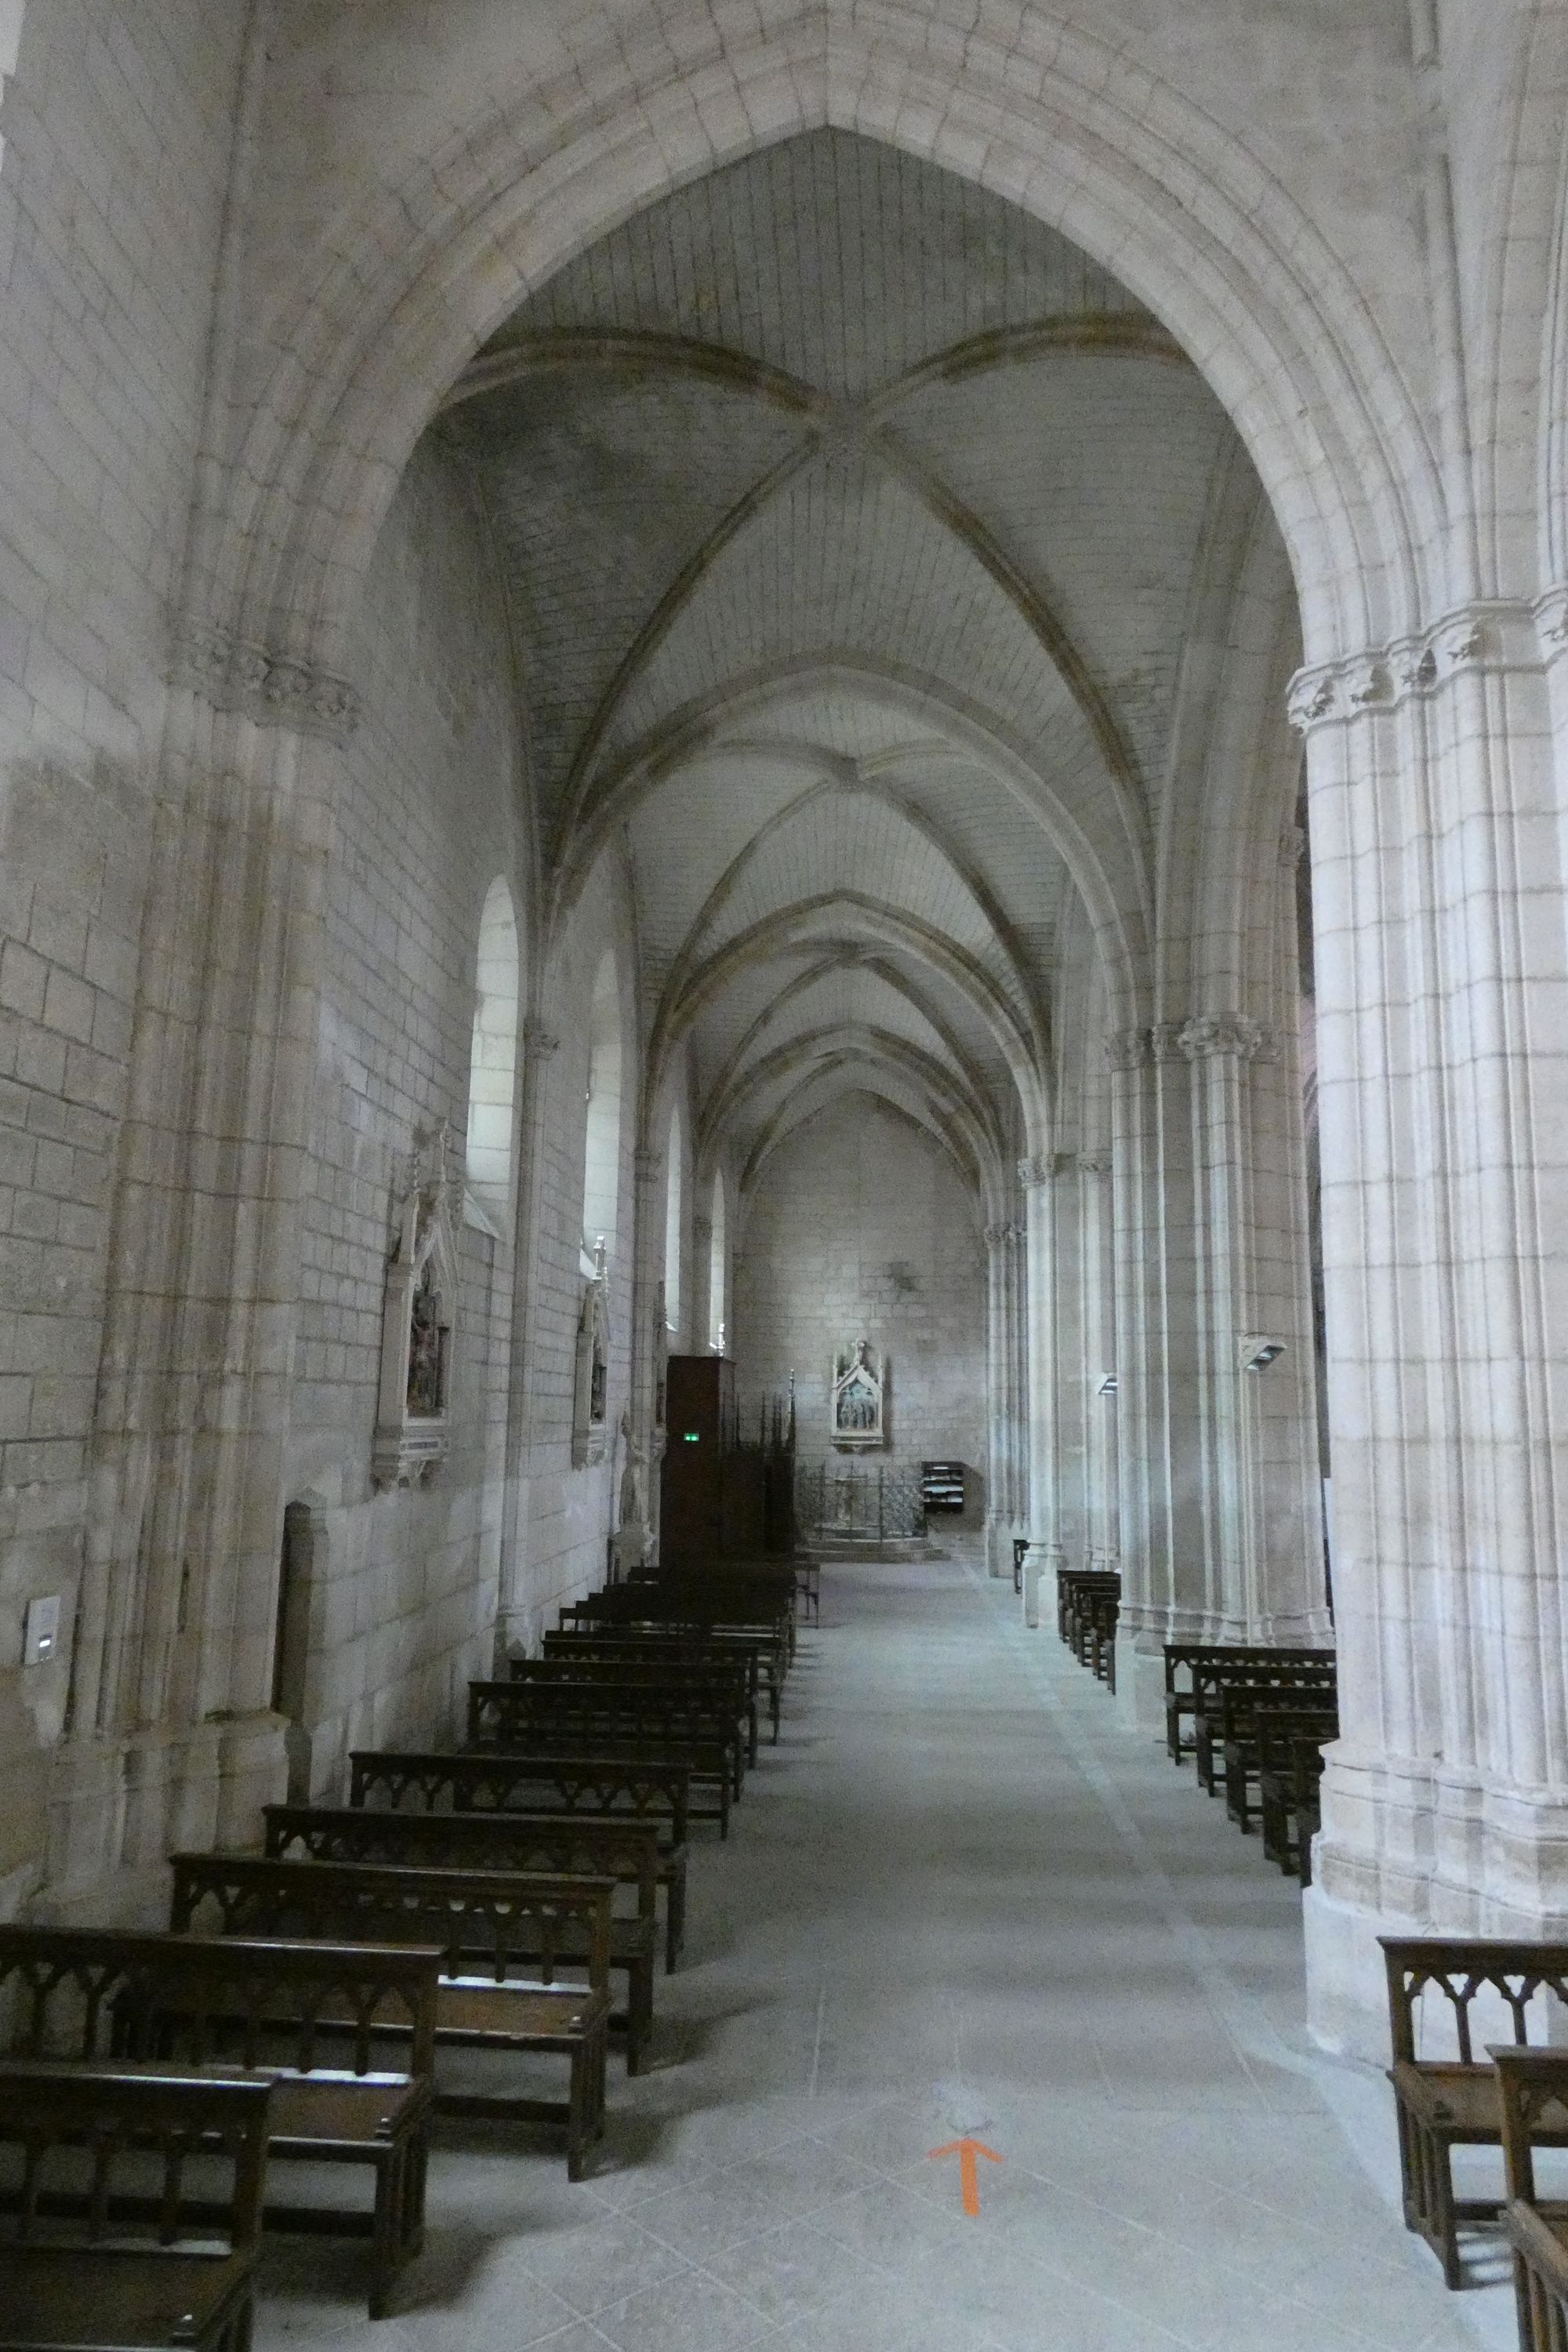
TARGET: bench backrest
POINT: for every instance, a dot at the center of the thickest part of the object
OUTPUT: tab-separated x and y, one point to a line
711	1683
1184	1656
1247	1706
91	1992
1532	2086
1461	1970
84	2135
643	1786
520	1923
563	1844
496	1709
1212	1686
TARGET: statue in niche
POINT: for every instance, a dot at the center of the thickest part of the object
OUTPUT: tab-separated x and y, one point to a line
590	1388
858	1398
428	1334
413	1427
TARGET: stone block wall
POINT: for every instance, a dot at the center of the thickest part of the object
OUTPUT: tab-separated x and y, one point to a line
118	124
403	1581
860	1225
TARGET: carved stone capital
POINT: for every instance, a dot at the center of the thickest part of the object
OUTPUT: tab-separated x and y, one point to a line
275	689
1128	1049
539	1041
1094	1164
1165	1041
647	1166
1209	1035
1498	635
1036	1171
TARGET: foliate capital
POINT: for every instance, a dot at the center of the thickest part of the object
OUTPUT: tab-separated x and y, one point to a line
1492	635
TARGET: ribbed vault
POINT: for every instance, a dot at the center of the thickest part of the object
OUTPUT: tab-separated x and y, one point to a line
851	518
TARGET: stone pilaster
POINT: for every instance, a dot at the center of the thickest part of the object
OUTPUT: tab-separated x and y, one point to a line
1439	889
513	1618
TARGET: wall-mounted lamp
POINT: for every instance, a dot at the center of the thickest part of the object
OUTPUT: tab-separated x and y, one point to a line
1259	1351
1107	1384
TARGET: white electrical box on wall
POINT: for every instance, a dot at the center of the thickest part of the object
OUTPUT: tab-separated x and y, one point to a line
41	1630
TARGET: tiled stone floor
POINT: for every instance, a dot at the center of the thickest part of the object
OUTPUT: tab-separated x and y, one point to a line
957	1896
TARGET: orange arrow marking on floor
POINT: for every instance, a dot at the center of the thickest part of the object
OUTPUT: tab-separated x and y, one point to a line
966	2150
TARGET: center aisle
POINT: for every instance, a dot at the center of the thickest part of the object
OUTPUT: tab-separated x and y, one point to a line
957	1899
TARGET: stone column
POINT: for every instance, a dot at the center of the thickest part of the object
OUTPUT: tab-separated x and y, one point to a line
1439	887
1043	1557
1097	1321
514	1626
1004	1402
1221	1523
170	1737
702	1283
648	1324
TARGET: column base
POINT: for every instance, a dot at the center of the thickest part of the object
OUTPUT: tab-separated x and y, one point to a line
1141	1684
1347	1991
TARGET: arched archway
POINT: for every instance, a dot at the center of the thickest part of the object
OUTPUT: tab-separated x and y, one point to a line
379	321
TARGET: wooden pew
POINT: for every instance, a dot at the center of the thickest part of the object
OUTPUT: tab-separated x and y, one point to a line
1187	1657
1246	1713
613	1788
1454	2101
79	2272
555	1847
1290	1767
250	2008
1532	2086
692	1605
764	1661
727	1688
1077	1588
501	1936
520	1718
1215	1680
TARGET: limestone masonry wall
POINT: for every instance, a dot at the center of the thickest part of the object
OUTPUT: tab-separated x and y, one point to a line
404	1582
117	130
859	1225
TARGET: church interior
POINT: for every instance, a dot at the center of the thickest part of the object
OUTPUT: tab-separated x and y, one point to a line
784	1175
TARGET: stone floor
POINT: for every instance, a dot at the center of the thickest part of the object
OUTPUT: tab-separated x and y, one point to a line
957	1898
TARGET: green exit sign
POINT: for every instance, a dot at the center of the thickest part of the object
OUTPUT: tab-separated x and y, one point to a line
692	1437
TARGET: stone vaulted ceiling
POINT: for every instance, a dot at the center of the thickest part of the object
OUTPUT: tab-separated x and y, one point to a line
851	520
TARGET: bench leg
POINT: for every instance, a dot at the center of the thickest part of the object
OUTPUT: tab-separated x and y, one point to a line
585	2109
639	2012
398	2230
674	1921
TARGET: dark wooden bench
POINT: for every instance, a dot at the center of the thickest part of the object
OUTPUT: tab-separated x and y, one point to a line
1532	2093
344	2035
521	1718
1186	1658
1095	1618
1076	1589
694	1604
765	1661
1246	1715
502	1937
555	1847
1308	1686
88	2258
1290	1767
726	1689
1452	2099
585	1787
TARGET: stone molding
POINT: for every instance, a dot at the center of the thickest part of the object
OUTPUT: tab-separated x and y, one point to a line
1196	1037
1502	634
1209	1035
271	688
